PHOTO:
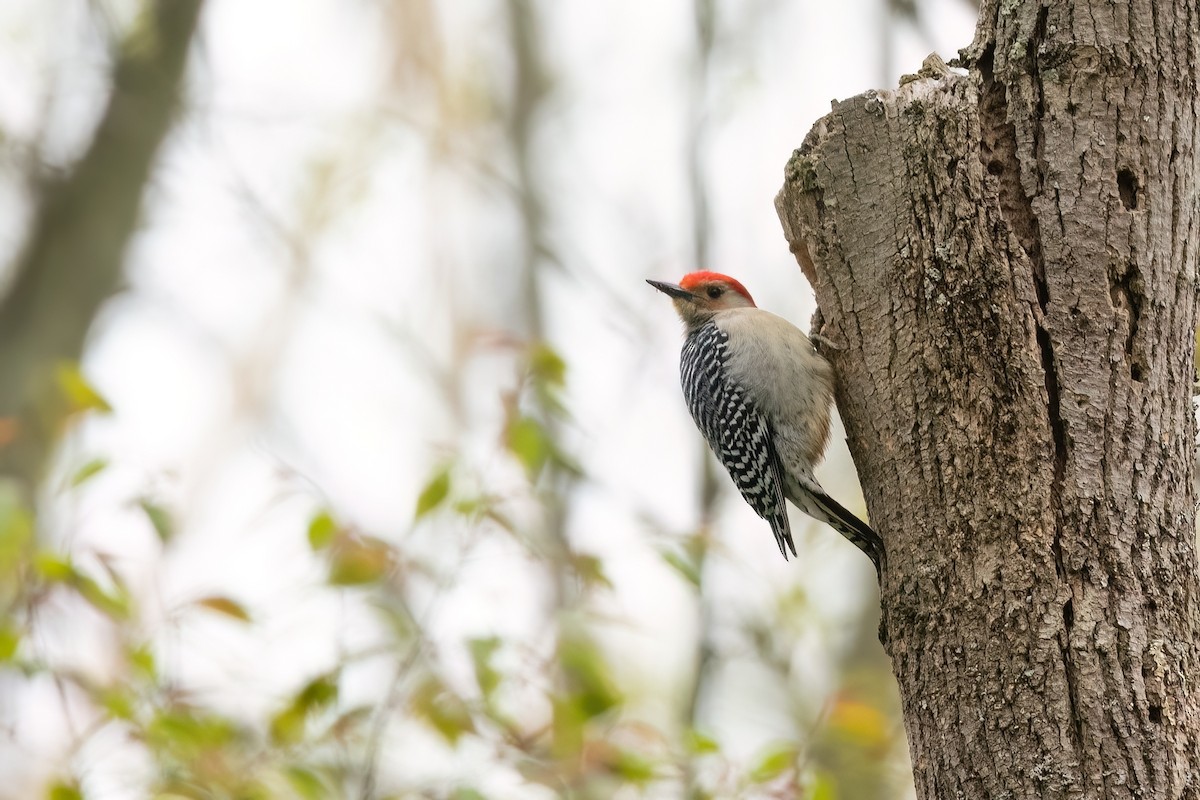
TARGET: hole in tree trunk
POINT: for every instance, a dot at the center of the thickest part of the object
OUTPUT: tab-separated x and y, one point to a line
1127	187
1069	613
1156	713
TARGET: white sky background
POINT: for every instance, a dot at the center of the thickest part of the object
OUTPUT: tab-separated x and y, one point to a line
243	404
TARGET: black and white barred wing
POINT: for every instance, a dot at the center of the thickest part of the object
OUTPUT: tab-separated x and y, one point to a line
738	433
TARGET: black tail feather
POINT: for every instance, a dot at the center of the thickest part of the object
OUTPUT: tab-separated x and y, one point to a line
782	529
860	534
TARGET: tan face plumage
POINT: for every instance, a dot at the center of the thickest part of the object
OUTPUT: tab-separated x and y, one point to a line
700	295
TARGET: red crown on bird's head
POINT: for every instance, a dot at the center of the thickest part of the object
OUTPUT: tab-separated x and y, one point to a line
696	279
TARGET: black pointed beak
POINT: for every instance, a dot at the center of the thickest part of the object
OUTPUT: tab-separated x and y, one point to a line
672	290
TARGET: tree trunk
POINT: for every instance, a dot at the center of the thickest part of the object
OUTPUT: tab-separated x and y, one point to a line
1007	261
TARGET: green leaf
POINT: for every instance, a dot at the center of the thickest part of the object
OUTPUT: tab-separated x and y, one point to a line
547	366
288	725
547	377
188	732
774	761
10	640
321	530
53	567
683	565
633	767
116	604
78	391
318	693
444	710
528	442
117	701
89	470
567	725
700	744
159	519
64	791
307	783
16	527
586	671
224	605
590	570
359	560
823	787
141	658
486	675
434	493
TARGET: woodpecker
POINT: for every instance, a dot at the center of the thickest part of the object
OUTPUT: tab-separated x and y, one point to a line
761	395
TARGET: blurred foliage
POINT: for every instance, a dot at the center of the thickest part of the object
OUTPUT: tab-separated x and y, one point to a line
315	744
554	714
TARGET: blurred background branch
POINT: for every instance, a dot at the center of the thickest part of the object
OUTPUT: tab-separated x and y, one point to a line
72	258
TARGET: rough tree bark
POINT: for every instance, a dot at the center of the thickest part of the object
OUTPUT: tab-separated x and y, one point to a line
1007	259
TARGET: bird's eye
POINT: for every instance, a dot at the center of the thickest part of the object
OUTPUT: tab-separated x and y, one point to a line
715	291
